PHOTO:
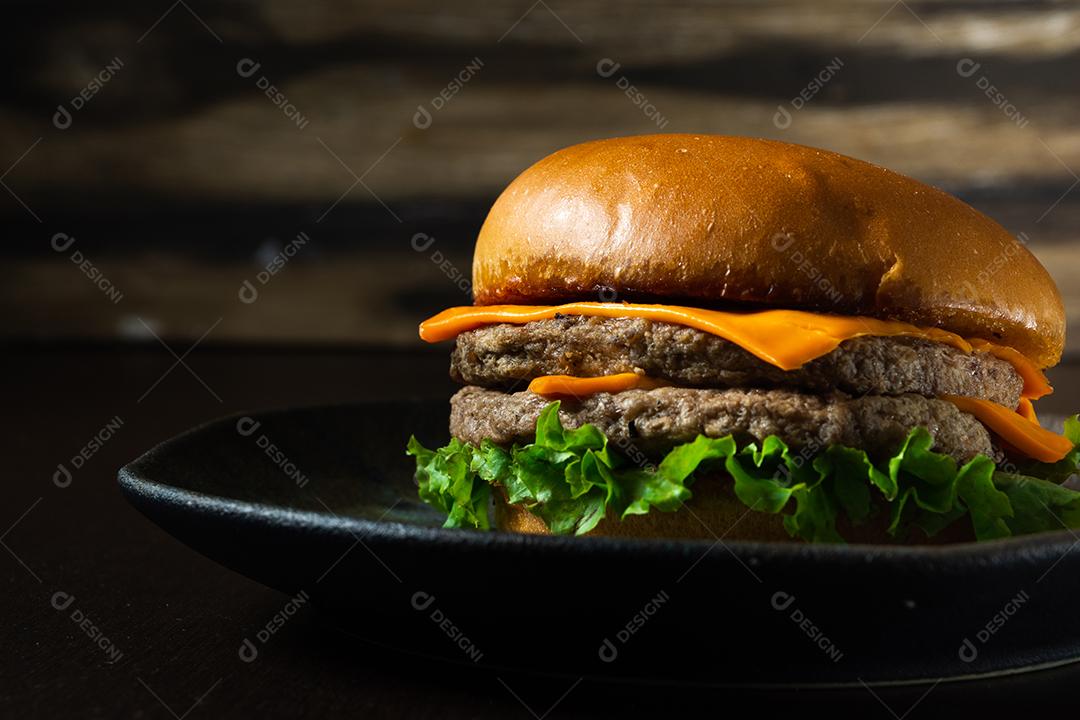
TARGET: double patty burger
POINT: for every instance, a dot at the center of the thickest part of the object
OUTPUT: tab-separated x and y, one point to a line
704	336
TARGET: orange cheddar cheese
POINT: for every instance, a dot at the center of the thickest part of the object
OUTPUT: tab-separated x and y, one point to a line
786	339
568	386
1021	433
1026	409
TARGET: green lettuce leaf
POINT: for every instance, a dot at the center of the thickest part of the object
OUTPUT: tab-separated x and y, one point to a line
1038	504
448	480
573	479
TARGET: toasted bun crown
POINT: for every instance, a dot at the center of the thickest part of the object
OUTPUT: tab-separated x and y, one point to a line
712	219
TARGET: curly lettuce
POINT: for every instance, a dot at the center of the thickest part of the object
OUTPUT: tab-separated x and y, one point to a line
573	479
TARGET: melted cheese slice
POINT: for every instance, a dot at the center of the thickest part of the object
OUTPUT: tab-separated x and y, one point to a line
786	339
1026	409
1018	431
555	387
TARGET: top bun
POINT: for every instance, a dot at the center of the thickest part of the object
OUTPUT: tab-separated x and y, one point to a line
708	219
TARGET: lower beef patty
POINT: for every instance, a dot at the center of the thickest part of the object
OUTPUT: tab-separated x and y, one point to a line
654	421
500	355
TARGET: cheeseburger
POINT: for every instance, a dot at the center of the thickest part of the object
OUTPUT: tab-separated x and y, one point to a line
726	337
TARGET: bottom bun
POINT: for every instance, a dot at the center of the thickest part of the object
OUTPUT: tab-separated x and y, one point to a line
715	512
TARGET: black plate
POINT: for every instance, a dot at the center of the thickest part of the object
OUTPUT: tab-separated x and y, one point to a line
321	501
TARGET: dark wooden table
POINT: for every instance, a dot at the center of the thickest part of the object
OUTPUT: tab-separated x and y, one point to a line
174	621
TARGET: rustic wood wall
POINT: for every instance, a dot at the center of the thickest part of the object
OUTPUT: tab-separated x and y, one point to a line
147	142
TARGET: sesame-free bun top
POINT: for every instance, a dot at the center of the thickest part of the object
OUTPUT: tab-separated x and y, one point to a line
733	221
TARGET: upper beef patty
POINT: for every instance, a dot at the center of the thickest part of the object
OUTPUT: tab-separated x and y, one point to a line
654	421
500	355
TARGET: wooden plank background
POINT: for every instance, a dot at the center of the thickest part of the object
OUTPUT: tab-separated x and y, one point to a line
179	177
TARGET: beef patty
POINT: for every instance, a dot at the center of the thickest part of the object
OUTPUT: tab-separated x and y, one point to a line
651	422
501	355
